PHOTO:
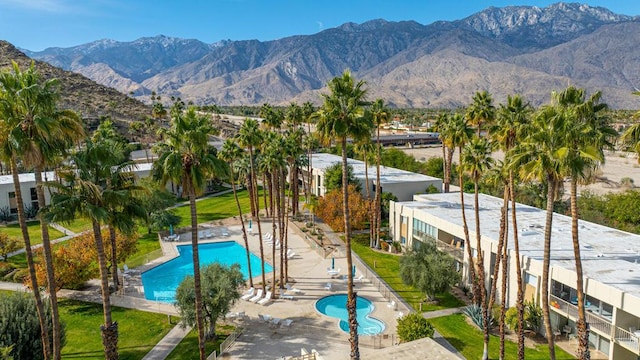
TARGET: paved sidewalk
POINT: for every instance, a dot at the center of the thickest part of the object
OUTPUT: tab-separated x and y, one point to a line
167	344
443	312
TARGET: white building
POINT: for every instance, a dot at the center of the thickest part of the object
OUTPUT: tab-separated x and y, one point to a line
403	184
610	259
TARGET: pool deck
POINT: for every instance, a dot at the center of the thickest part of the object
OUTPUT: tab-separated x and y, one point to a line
309	329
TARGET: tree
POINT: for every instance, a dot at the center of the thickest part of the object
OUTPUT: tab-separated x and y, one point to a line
342	116
220	288
414	326
186	158
428	269
585	134
330	209
20	327
481	111
442	127
380	115
476	161
231	152
631	136
333	178
156	202
7	245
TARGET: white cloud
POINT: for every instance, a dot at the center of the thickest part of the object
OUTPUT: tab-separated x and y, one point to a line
320	25
51	6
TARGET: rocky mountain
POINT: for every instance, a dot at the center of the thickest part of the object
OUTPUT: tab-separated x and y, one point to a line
79	93
523	49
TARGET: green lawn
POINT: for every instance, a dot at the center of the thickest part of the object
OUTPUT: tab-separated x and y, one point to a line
468	340
139	331
35	235
388	267
77	225
148	248
187	349
214	208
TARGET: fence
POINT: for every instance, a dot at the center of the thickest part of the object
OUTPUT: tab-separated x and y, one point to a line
378	341
226	344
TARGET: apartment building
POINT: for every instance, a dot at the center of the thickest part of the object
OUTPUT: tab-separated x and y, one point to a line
611	262
403	184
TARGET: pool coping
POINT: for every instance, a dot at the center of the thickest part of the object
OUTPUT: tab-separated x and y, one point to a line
372	304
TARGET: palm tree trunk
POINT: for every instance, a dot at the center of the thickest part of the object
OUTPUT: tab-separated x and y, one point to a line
480	274
551	191
42	318
516	249
109	330
371	214
244	230
274	198
503	292
467	241
581	324
448	164
378	190
351	295
196	275
501	244
296	190
445	169
256	213
114	257
264	196
285	245
48	258
282	210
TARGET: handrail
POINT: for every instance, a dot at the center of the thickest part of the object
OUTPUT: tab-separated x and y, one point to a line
602	324
627	339
226	344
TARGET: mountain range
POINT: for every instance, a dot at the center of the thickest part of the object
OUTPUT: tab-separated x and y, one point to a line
517	49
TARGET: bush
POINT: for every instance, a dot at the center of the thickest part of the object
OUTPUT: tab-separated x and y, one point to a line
413	327
532	317
384	246
474	312
20	327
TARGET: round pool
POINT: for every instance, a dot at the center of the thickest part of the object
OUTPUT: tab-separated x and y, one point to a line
336	306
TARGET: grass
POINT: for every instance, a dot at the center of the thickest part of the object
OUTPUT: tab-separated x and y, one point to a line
468	340
188	348
214	208
388	268
139	331
77	225
35	234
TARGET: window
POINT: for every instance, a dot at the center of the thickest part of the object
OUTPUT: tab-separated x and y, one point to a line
34	198
13	203
422	230
403	240
530	279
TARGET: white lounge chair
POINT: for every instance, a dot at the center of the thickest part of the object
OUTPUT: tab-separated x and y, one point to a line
128	271
257	296
292	289
391	305
248	294
290	254
265	318
359	278
400	314
286	323
328	286
286	297
266	299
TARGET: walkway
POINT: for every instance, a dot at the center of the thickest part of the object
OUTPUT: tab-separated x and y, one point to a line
167	344
68	234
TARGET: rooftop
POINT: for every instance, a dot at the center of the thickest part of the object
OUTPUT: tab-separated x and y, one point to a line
609	256
388	175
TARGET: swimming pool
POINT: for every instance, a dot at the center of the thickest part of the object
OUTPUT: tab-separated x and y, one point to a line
336	306
161	282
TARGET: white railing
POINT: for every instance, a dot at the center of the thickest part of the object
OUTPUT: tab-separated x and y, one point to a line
226	344
627	339
603	325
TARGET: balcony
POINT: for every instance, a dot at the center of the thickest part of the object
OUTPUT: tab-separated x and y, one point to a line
628	339
457	253
600	323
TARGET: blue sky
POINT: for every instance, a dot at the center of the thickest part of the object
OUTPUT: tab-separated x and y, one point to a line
38	24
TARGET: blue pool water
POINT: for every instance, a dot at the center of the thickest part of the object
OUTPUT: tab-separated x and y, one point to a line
161	282
336	306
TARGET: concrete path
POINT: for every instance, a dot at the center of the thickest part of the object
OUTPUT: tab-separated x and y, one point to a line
68	235
443	312
167	344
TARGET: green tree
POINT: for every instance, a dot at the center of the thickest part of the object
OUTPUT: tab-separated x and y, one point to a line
481	111
220	288
186	158
5	352
631	136
341	117
428	269
333	178
414	326
20	326
7	245
380	115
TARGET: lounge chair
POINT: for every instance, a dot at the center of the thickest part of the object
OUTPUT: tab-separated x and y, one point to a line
400	314
286	322
257	296
264	318
391	305
290	254
328	286
128	271
266	299
248	294
359	278
292	289
286	297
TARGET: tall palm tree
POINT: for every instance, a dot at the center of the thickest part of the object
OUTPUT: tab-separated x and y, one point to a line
250	137
631	136
536	157
477	160
41	133
481	111
380	114
230	153
441	126
510	121
342	116
186	158
586	133
457	135
308	112
364	149
84	192
294	117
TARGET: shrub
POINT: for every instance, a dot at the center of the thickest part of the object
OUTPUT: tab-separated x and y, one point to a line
20	327
532	317
397	246
414	326
474	312
384	246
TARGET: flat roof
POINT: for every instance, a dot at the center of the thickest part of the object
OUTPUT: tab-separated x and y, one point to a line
26	178
609	256
388	175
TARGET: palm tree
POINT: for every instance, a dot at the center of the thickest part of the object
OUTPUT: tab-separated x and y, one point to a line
84	192
294	117
477	160
342	116
457	135
510	121
380	115
631	136
441	126
40	132
365	148
250	137
536	158
481	111
186	158
308	112
585	135
230	153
